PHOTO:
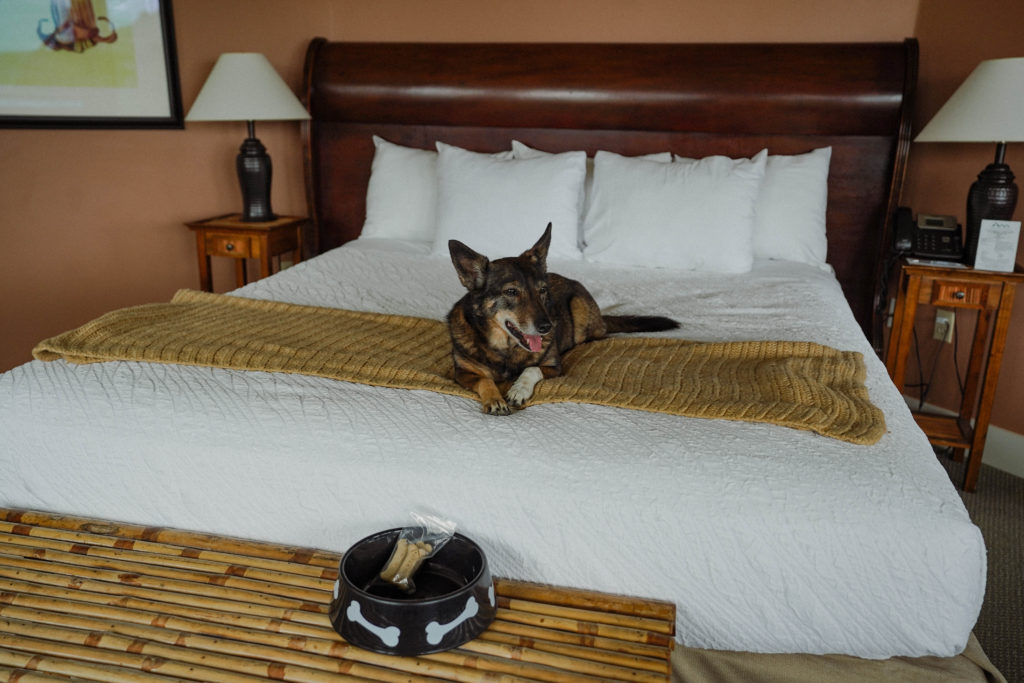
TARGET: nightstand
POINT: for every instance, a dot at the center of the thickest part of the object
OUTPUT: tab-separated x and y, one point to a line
232	237
991	295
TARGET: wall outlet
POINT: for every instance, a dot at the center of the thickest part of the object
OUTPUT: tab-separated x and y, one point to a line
944	325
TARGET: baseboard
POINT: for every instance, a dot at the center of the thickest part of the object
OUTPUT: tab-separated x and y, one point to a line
1004	449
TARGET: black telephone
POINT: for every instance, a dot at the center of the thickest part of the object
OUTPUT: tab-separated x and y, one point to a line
936	237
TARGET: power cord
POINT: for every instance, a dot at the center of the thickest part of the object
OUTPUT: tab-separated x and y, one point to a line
924	386
956	362
882	299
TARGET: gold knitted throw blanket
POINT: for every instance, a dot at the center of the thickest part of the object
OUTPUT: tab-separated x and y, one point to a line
796	384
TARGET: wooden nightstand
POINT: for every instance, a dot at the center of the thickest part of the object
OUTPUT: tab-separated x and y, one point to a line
991	295
232	237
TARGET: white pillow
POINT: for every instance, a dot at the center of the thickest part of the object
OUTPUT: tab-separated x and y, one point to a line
401	198
692	215
500	206
790	223
791	208
522	151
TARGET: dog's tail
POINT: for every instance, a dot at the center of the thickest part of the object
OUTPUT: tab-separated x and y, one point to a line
638	323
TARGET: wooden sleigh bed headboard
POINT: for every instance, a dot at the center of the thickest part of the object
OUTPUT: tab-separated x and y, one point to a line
691	99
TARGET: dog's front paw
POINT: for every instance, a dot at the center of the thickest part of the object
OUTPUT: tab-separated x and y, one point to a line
518	395
522	389
496	407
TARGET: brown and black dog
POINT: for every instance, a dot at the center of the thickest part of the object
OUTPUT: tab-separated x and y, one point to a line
517	320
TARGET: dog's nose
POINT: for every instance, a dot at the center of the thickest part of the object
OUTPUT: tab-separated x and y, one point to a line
544	327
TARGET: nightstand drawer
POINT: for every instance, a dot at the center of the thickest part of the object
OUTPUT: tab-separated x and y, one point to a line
228	245
953	293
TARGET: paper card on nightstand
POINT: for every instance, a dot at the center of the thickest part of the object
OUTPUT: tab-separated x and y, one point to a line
997	245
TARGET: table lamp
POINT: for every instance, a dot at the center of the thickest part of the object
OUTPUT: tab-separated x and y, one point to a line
987	107
243	86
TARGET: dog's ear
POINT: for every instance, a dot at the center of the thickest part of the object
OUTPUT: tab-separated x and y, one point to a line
471	266
538	254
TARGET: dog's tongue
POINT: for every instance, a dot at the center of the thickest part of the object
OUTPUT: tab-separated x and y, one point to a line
535	342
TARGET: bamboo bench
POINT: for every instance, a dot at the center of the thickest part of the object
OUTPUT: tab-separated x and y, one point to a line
88	600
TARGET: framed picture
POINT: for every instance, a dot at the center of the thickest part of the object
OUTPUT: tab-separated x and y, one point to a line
88	64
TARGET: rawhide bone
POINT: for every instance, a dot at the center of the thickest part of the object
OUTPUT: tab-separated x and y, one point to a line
405	561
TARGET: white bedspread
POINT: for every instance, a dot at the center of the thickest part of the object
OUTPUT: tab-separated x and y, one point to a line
767	539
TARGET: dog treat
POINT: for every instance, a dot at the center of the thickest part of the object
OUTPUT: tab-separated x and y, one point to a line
397	556
414	546
405	561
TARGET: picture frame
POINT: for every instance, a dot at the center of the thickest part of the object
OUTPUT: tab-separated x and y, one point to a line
89	64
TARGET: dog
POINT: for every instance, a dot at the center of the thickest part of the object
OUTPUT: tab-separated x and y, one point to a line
517	320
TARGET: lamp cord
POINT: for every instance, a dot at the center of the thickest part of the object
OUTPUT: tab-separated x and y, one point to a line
924	386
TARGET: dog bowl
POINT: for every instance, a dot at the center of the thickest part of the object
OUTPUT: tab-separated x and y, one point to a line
452	604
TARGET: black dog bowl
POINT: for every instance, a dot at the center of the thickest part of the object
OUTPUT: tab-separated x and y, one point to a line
452	604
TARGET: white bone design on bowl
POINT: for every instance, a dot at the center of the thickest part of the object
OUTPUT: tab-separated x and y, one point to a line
389	636
435	631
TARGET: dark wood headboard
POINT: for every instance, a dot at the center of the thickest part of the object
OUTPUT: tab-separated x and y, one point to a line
691	99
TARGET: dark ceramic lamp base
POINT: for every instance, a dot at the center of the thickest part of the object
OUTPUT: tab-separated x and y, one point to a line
992	196
254	172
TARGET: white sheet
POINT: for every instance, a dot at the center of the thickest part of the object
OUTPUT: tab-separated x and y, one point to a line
767	539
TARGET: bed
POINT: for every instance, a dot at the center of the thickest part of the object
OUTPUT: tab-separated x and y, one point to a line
770	540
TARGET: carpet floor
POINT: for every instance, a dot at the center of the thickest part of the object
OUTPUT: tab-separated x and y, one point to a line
997	507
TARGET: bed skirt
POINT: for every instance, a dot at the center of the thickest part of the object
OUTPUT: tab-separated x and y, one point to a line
718	666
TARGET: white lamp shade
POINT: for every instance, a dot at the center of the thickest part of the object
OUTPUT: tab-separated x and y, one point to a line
987	107
244	86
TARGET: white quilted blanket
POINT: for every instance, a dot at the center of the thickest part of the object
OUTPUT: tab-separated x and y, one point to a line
766	538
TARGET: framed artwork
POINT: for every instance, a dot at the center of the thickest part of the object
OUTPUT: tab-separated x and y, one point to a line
88	64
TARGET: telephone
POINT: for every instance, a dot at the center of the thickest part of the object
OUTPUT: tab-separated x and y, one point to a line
929	236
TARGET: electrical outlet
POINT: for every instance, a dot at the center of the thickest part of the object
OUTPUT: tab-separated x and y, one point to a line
944	325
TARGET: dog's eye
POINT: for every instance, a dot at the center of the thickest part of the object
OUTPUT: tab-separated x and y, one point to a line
542	290
511	292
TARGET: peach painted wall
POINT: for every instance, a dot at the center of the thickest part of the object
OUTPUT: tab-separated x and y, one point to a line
954	37
93	220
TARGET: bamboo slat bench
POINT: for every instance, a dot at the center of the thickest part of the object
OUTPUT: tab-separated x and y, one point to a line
87	600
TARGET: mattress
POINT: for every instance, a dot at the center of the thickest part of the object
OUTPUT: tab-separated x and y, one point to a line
768	539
